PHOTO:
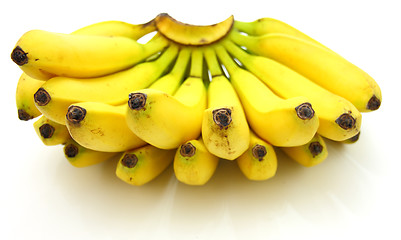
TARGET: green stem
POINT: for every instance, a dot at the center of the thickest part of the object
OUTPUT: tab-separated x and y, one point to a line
212	62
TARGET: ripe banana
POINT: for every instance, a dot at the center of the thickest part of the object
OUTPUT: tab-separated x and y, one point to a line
170	82
338	118
167	121
259	162
58	93
79	156
26	87
289	122
117	28
263	26
51	133
321	66
353	139
310	154
101	127
225	130
192	35
141	165
43	54
194	164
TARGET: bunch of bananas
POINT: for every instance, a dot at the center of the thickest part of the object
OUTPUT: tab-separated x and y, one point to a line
190	96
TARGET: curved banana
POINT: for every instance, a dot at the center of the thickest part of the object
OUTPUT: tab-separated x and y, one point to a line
101	127
339	119
141	165
310	154
187	34
79	156
43	54
289	122
321	66
194	164
26	88
51	133
167	121
117	28
58	93
263	26
170	82
259	161
225	130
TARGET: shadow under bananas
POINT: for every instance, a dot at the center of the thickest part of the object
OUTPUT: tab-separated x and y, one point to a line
323	194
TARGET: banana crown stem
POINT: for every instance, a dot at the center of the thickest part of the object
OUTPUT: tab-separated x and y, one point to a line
212	62
196	63
226	59
182	62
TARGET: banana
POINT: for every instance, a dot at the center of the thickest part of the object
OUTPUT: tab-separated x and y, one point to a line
42	54
166	121
141	165
51	133
101	127
321	66
170	82
289	122
353	139
259	162
79	156
338	118
263	26
58	93
193	35
117	28
26	88
194	164
310	154
225	130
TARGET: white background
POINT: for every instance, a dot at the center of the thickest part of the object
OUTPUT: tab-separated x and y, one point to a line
354	193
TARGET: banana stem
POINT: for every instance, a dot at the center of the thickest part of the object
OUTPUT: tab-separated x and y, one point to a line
181	64
243	40
237	52
226	59
196	63
246	27
168	56
156	44
212	62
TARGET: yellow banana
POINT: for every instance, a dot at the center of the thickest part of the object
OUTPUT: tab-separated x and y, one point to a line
310	154
43	54
26	88
265	26
338	118
170	82
225	130
167	121
51	133
117	28
58	93
321	66
289	122
194	164
101	127
194	35
259	162
353	139
79	156
141	165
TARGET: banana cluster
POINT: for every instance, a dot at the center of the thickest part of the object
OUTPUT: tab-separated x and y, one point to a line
190	97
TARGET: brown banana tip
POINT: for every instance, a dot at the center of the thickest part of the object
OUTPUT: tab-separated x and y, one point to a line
19	56
23	115
129	160
222	117
187	150
46	130
374	103
136	101
305	111
42	97
259	152
346	121
71	150
75	114
315	148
